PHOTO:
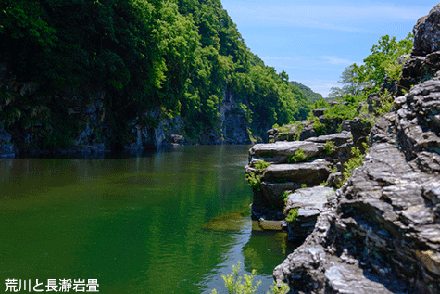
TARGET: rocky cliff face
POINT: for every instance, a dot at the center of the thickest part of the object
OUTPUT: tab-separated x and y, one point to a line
90	132
233	120
380	233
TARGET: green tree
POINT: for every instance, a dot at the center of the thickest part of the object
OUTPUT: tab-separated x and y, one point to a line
382	62
350	87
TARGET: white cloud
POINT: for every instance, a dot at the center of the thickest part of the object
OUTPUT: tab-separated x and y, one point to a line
307	61
348	18
337	60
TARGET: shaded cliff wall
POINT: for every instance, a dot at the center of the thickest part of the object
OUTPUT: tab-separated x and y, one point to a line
80	121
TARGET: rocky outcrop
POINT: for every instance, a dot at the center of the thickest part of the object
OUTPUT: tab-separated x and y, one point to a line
359	127
424	61
293	165
419	69
419	125
308	204
427	34
381	233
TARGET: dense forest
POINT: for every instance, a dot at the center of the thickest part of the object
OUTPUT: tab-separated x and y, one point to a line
177	57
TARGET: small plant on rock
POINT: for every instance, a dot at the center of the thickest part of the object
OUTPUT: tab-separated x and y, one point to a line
355	161
285	195
278	290
319	127
299	155
291	215
261	164
254	180
329	147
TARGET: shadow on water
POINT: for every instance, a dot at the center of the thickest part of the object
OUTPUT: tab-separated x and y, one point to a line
266	249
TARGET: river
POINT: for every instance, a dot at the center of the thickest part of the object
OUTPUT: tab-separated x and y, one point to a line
171	221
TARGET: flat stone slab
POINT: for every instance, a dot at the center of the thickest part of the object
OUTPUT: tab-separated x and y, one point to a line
310	203
281	151
309	173
309	199
337	139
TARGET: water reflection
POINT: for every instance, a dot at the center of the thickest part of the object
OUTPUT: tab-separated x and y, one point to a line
145	224
265	249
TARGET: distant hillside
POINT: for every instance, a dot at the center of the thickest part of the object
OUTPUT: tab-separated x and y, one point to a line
307	91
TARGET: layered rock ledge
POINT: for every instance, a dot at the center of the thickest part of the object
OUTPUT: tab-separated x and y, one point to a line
381	232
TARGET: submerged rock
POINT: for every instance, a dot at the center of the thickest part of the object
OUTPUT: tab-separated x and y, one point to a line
271	225
232	221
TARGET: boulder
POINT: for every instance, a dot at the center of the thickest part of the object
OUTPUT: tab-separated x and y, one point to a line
268	202
374	101
419	69
343	142
177	140
335	179
307	132
360	129
271	225
318	111
345	126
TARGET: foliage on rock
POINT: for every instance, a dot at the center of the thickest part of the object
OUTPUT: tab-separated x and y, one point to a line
298	156
291	215
254	180
261	164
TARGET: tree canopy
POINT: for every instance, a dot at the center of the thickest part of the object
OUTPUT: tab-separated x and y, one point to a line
179	56
380	64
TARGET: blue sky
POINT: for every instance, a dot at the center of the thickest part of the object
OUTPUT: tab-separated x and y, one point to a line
314	41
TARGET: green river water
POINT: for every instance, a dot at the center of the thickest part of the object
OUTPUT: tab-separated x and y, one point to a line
171	221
